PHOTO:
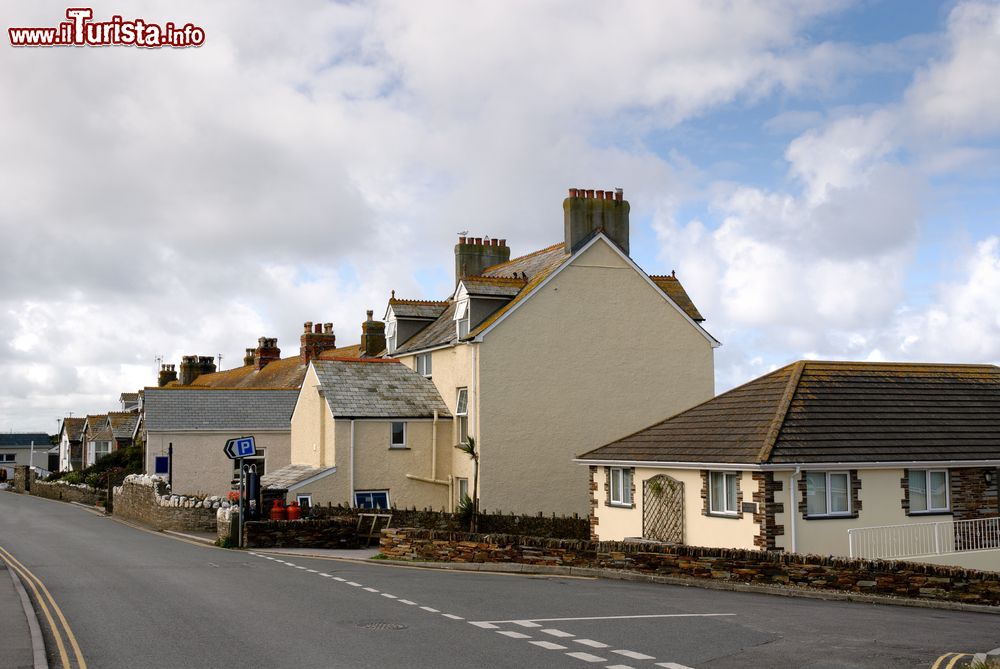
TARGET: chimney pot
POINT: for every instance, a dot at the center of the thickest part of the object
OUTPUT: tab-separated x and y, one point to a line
461	240
327	328
619	194
572	192
590	193
319	328
370	314
307	326
600	195
503	242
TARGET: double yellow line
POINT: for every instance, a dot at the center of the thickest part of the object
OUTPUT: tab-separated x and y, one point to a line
950	658
49	606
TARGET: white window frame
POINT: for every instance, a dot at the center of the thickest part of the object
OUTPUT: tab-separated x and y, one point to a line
392	434
359	493
97	453
620	486
463	310
927	491
462	414
423	365
390	336
728	507
461	489
307	497
827	513
8	457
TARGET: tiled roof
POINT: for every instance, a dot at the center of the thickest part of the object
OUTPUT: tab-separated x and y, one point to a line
129	397
440	332
74	428
285	373
427	309
342	352
381	388
95	422
675	291
833	412
24	439
177	409
544	260
100	433
123	423
493	285
290	475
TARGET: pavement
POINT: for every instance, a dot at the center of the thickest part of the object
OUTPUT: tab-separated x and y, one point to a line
22	646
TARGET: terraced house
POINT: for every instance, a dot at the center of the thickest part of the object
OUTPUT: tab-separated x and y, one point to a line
835	458
537	358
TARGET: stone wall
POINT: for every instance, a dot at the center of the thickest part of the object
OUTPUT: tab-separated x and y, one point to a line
902	579
319	533
555	527
147	499
68	492
24	476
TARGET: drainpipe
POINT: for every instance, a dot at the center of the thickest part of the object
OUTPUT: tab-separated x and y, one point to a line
474	424
792	506
351	502
434	445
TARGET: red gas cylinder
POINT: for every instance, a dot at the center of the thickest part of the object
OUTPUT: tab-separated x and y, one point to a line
278	511
294	511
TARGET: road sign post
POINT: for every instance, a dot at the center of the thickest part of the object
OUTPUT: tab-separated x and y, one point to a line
238	449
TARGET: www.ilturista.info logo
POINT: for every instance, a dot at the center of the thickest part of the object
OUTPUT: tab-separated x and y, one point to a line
80	30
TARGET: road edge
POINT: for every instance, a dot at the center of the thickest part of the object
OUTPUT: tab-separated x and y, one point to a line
34	629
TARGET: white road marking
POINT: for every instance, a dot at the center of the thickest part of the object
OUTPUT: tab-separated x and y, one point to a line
587	657
485	626
618	666
672	665
548	645
429	609
386	594
337	578
591	643
558	633
370	589
298	567
513	635
655	615
353	584
525	623
452	616
407	602
634	655
312	571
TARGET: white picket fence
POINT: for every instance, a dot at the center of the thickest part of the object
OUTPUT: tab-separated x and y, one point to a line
892	542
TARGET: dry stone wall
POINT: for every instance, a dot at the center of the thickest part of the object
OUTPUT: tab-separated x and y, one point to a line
147	499
67	492
903	579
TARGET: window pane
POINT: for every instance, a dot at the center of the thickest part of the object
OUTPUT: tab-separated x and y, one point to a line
616	485
816	493
463	429
463	402
717	492
399	434
626	486
918	490
731	493
939	490
839	495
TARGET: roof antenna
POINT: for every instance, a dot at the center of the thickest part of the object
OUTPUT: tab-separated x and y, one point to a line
220	362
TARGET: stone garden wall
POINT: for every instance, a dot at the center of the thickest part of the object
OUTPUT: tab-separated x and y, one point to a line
147	499
903	579
68	492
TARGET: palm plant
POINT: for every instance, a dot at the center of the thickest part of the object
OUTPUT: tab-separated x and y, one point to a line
469	448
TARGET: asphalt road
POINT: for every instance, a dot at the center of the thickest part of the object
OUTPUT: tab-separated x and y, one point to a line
138	599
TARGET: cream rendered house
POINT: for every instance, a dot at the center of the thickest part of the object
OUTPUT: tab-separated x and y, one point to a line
550	354
905	456
368	432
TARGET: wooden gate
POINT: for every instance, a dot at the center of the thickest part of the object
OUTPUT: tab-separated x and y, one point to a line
663	509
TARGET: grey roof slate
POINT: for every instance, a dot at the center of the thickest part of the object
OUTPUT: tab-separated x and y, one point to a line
24	439
176	409
377	389
417	309
440	332
289	475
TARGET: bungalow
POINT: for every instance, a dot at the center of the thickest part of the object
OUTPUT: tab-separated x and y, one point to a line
835	458
29	448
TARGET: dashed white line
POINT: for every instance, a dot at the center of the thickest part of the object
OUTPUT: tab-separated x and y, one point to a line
485	626
452	616
370	590
324	575
558	633
591	643
311	571
337	578
672	665
353	584
429	609
547	645
587	657
407	602
634	655
618	666
525	623
513	635
386	594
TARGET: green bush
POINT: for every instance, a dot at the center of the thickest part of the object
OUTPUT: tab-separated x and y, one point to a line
115	465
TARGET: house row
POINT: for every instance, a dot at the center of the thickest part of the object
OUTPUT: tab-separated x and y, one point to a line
82	441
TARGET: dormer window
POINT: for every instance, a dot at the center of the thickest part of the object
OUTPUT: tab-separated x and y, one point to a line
462	318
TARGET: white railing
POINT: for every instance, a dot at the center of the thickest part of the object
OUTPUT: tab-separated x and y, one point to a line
900	541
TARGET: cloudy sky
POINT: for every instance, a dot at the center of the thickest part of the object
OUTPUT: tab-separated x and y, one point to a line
822	175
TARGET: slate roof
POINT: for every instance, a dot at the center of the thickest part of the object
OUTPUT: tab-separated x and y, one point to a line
290	475
286	373
129	397
673	288
493	286
833	412
94	424
181	409
382	388
424	309
23	440
440	332
123	423
528	266
73	428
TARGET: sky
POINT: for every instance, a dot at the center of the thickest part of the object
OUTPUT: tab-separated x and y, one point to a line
822	175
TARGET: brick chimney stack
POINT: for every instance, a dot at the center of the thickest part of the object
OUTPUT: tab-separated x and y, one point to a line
315	340
168	373
267	351
474	254
587	212
372	337
193	366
